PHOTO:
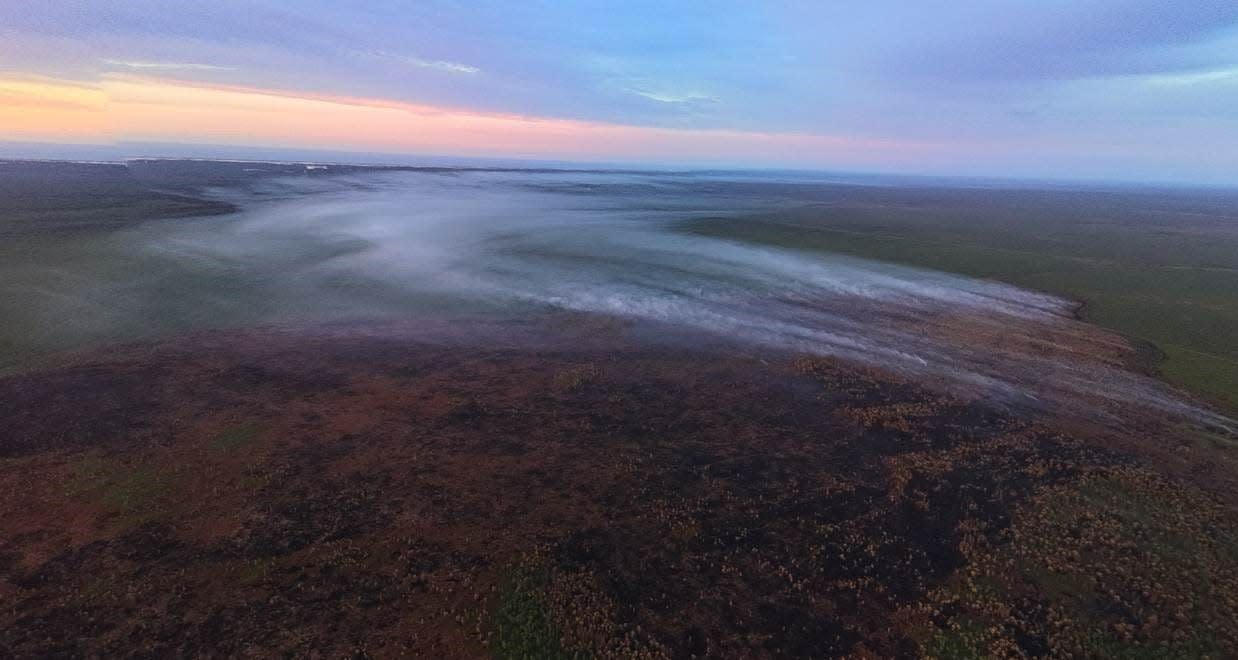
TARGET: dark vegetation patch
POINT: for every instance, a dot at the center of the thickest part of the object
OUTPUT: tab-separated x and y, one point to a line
58	197
77	408
523	628
246	377
1117	563
128	494
236	437
299	518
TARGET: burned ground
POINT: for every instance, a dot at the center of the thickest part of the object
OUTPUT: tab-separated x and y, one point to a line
391	491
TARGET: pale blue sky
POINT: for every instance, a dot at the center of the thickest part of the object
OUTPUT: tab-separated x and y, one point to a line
1135	89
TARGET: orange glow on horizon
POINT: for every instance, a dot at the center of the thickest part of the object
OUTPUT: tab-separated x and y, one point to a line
36	108
134	108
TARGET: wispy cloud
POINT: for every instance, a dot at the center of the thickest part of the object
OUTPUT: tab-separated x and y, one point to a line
1192	78
453	67
422	63
674	97
149	65
137	110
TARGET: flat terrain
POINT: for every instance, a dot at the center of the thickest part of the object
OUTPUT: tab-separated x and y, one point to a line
1159	266
39	197
585	485
577	491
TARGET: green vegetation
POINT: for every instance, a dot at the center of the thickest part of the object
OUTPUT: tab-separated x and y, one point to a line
236	437
1169	278
254	571
1129	565
523	626
958	644
132	493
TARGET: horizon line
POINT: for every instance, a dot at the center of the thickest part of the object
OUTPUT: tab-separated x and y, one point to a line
566	165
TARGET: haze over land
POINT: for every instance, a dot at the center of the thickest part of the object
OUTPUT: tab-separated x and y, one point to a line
521	413
511	244
595	330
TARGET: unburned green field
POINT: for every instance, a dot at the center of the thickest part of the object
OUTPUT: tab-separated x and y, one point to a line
1160	268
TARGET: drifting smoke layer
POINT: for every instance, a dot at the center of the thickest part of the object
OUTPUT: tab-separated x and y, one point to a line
513	243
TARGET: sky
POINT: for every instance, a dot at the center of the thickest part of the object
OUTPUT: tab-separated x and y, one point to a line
1110	89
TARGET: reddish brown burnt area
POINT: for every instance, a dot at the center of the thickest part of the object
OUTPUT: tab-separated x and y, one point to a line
281	491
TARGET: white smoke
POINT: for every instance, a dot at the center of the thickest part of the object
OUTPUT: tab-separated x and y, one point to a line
403	244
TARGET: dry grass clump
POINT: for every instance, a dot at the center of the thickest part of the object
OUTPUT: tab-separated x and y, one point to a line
573	378
590	620
850	379
902	417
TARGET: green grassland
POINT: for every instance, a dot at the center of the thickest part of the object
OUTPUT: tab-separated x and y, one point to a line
1161	271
